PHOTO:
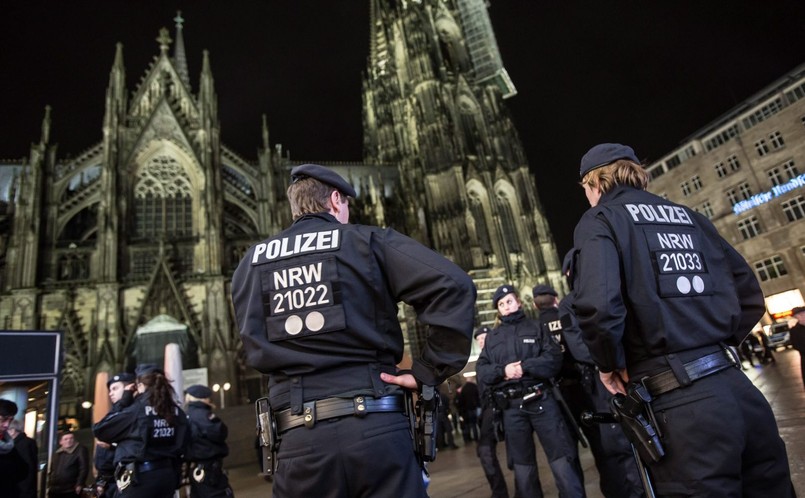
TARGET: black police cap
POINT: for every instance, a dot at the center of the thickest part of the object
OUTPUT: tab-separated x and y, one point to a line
324	175
797	310
543	289
481	330
604	154
124	377
199	391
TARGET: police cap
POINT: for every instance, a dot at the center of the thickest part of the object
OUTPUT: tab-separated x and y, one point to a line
603	154
324	175
481	330
543	289
147	368
502	291
124	377
199	391
798	310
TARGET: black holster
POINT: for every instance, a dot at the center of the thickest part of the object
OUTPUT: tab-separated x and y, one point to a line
636	417
269	438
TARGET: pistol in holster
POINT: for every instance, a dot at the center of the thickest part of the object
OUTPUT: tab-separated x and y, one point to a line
269	439
633	411
422	417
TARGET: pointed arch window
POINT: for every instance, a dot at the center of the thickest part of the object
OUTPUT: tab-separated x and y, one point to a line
508	225
163	205
481	228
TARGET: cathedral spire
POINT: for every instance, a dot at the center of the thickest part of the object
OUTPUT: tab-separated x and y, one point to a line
179	57
164	40
45	138
206	93
265	133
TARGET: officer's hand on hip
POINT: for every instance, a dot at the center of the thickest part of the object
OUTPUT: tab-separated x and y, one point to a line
615	381
405	380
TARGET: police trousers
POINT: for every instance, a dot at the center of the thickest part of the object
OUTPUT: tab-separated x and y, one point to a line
721	439
348	457
544	417
487	454
157	483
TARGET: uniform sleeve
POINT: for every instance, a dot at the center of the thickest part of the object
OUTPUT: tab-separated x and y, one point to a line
114	426
488	372
549	361
443	296
598	301
247	295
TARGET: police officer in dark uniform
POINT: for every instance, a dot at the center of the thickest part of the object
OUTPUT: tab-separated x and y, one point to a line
517	362
207	446
583	392
121	393
150	435
317	310
488	438
658	293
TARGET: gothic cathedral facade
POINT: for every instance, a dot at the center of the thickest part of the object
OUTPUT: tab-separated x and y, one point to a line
142	231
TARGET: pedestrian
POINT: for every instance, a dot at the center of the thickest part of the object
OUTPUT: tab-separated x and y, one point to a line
518	362
468	402
658	292
488	437
27	449
317	310
121	394
150	435
69	468
207	447
583	392
12	465
797	334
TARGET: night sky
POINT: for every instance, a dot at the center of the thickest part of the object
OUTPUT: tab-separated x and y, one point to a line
648	74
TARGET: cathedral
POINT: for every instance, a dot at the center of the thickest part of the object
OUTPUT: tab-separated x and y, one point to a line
135	239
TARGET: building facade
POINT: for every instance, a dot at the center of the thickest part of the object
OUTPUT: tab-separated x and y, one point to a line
746	172
138	235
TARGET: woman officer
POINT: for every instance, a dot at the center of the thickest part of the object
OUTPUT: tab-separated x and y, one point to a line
150	436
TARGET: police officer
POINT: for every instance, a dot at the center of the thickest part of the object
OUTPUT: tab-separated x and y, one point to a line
488	438
207	446
317	310
657	293
517	362
121	393
150	435
582	390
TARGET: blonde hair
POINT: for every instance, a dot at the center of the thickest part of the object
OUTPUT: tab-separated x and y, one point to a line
621	172
308	196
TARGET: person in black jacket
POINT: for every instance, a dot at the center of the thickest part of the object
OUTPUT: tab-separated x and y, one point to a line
659	295
517	363
69	468
121	394
12	466
207	447
798	337
317	310
150	435
30	454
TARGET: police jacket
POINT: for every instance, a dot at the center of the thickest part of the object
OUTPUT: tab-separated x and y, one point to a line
207	434
562	329
518	338
141	435
317	309
105	457
654	278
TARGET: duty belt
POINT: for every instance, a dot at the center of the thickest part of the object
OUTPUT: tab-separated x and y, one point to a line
515	392
328	408
696	369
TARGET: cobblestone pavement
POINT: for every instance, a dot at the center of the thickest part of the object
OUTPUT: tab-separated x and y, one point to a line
457	473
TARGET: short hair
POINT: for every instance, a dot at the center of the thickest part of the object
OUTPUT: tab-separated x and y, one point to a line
544	301
621	172
309	196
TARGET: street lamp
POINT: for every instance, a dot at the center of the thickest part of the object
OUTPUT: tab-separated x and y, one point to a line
222	389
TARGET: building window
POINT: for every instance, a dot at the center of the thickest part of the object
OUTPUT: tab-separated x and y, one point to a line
732	196
746	190
685	189
775	177
761	147
163	206
696	182
794	209
776	140
790	169
721	171
706	209
749	227
771	268
734	164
